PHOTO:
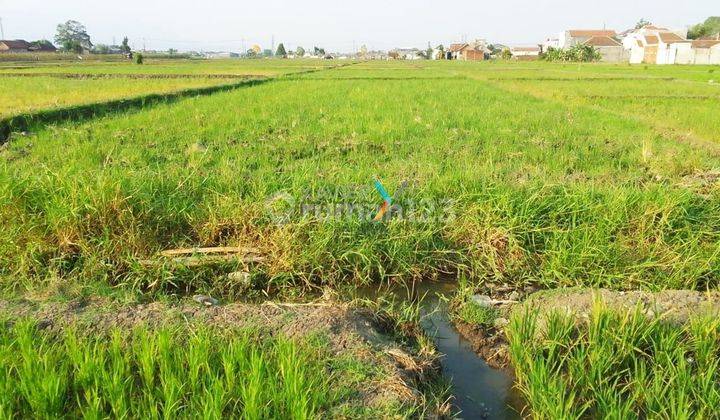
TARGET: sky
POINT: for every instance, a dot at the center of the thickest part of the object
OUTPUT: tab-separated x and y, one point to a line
230	25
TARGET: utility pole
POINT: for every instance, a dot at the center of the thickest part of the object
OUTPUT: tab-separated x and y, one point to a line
2	31
144	44
272	49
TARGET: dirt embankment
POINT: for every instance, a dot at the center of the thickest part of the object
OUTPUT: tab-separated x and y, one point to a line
675	307
351	332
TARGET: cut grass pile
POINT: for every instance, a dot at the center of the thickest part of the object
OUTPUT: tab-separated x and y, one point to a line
519	188
616	365
23	94
166	373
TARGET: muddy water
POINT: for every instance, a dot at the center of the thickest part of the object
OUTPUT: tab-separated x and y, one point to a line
480	391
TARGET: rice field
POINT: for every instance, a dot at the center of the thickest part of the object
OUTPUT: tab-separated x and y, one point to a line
20	95
617	366
521	174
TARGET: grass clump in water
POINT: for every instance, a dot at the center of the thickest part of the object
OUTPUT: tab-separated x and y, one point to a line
616	366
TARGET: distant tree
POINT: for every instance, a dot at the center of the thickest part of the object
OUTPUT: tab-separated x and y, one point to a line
267	53
642	23
125	46
429	53
441	51
363	51
300	52
172	51
506	54
319	52
42	43
72	36
577	53
281	51
251	53
710	27
101	49
139	59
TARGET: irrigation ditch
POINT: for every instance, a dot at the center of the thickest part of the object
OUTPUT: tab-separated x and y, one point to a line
480	390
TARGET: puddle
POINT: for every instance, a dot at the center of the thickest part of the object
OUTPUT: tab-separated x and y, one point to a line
480	391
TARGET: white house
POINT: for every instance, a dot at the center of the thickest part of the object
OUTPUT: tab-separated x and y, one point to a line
610	49
706	51
573	37
525	53
655	45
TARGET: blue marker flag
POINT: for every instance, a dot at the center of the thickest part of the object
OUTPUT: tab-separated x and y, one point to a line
379	187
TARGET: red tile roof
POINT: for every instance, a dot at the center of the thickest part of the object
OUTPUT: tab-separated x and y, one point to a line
705	43
589	33
16	44
671	38
654	28
602	41
526	49
651	40
457	47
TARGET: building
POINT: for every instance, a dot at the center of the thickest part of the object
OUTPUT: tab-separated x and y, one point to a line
610	49
405	54
14	46
525	53
473	51
573	37
706	50
656	45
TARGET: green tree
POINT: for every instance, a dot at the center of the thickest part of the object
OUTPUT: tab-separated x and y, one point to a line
172	51
319	51
281	51
125	46
139	59
642	23
300	52
42	44
73	36
101	49
506	54
710	27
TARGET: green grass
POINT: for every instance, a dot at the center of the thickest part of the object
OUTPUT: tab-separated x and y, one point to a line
541	191
167	373
197	67
25	94
616	366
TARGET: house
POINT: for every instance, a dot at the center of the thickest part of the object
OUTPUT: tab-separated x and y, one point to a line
473	51
706	50
573	37
405	54
14	46
42	47
525	53
656	45
610	49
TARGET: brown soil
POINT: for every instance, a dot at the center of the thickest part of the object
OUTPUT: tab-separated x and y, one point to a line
676	307
351	331
487	342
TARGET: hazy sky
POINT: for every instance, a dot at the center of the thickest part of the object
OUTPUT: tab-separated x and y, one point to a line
336	25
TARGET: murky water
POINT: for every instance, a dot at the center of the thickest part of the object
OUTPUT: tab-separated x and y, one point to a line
480	391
